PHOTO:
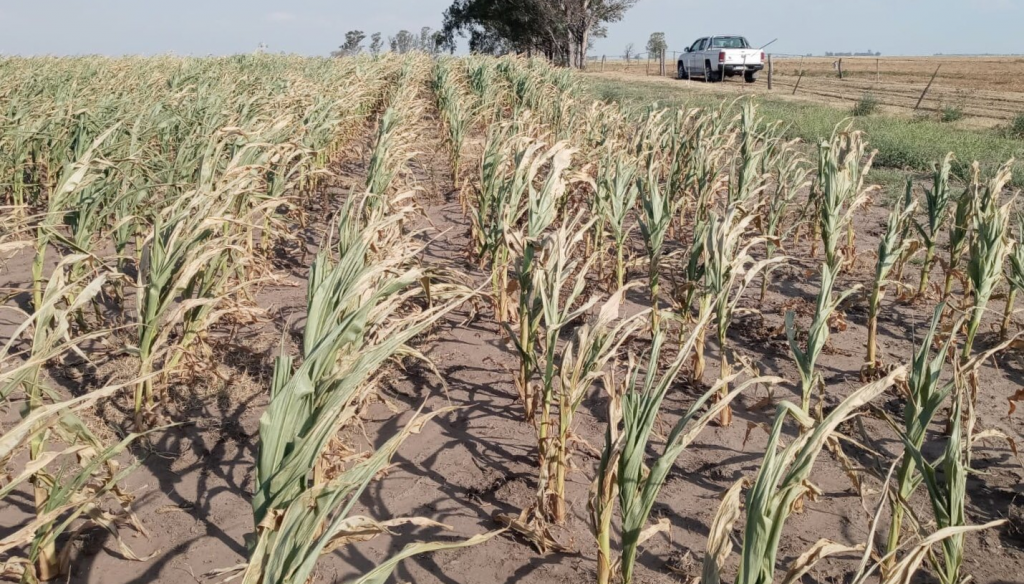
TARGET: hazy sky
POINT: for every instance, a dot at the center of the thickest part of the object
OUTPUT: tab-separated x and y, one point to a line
315	27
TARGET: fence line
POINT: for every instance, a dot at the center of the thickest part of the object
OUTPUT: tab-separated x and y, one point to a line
930	86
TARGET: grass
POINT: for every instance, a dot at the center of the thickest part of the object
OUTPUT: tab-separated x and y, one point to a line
902	143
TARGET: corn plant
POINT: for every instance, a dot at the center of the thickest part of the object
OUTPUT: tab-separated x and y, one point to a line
582	362
391	151
62	498
776	222
925	395
936	205
987	252
622	470
783	479
890	249
457	112
79	496
947	491
189	244
841	180
754	147
657	210
729	270
555	271
960	230
540	214
355	323
1014	275
616	196
817	334
74	177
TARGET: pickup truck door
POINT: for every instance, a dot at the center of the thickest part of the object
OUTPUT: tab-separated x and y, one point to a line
694	60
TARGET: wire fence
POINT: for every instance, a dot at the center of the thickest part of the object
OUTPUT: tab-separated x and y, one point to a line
989	87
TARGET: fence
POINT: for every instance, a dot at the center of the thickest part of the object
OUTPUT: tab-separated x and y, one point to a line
989	87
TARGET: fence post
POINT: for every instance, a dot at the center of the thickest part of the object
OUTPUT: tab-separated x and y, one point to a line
771	71
663	63
648	72
602	63
878	72
797	86
927	87
840	68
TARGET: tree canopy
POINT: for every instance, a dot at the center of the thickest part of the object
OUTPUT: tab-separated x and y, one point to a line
353	44
558	29
656	45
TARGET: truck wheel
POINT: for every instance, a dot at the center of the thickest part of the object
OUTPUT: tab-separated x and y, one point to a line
682	72
750	76
710	75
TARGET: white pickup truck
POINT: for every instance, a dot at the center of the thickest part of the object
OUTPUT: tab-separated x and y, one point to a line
716	57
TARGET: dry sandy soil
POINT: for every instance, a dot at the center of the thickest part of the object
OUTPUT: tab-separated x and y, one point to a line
194	487
990	89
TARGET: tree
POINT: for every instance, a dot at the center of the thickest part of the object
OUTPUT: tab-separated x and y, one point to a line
558	29
376	44
656	45
353	44
403	42
630	52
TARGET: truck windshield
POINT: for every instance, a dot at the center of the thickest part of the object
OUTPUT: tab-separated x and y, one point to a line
729	43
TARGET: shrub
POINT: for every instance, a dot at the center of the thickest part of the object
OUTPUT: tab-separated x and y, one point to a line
867	105
1016	129
952	113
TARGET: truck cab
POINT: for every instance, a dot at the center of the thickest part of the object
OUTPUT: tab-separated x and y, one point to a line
715	57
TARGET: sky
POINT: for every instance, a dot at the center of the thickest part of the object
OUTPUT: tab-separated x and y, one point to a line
315	27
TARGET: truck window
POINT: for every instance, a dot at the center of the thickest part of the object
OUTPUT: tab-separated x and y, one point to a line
700	45
729	43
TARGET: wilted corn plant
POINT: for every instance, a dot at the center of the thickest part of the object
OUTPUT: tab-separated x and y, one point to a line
509	166
76	175
188	245
358	317
781	484
581	363
925	394
817	334
457	111
890	249
842	166
946	482
776	223
988	250
615	197
657	209
541	212
61	498
1014	276
936	205
622	472
729	270
557	287
960	232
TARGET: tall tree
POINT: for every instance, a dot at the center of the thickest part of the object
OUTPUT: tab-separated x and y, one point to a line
559	29
376	44
403	42
353	44
656	45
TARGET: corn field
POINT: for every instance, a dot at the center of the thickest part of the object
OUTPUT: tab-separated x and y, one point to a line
274	319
